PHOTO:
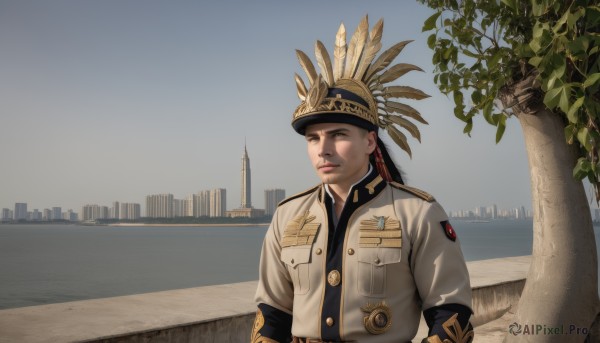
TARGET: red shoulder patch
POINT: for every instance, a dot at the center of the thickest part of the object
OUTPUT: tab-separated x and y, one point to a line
449	230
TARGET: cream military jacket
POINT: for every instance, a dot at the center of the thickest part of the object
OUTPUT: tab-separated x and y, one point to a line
395	259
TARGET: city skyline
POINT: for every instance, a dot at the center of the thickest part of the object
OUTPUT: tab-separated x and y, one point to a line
161	99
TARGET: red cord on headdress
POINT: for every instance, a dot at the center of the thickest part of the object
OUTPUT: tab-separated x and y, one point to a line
380	165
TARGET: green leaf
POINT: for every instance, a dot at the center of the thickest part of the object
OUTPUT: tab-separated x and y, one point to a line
468	127
583	136
494	60
574	110
565	96
431	40
591	80
535	45
430	22
558	96
501	128
487	112
458	98
510	4
561	21
535	61
552	97
581	168
570	131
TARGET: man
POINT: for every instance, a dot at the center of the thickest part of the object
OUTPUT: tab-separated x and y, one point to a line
359	257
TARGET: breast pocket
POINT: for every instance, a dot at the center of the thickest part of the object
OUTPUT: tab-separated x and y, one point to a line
297	260
373	266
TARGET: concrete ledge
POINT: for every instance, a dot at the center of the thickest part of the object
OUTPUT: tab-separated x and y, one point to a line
222	313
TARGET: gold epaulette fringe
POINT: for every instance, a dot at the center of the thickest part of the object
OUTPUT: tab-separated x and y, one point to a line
308	191
414	191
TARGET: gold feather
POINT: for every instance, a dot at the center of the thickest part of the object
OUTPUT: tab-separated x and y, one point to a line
399	138
392	106
308	67
415	116
317	93
384	60
324	62
372	48
357	43
395	72
339	53
405	123
300	86
403	92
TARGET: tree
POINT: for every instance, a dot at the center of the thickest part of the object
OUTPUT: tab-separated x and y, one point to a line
536	60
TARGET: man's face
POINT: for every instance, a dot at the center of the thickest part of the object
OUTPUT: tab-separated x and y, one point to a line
339	152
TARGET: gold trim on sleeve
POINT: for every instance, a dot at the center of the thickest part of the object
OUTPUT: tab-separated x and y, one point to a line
259	322
300	231
454	332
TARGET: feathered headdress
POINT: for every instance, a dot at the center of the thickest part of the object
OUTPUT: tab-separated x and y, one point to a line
354	89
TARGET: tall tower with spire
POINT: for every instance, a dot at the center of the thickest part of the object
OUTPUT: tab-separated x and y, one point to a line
246	180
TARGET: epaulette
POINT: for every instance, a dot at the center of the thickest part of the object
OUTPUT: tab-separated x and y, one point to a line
308	191
414	191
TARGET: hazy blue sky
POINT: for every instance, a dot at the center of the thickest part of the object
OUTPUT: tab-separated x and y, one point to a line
114	100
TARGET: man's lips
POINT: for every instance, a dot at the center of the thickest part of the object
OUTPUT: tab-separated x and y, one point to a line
327	166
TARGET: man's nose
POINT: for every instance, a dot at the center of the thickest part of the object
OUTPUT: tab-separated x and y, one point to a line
325	147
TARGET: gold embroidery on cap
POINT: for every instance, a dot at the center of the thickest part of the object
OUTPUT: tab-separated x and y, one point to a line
300	231
378	319
259	322
380	231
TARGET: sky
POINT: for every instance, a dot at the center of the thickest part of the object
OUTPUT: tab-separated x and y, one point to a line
104	101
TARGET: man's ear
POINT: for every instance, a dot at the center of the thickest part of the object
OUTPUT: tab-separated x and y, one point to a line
372	141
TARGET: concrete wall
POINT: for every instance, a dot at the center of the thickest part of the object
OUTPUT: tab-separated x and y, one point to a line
222	313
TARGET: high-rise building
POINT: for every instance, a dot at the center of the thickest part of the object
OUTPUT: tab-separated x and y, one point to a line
178	207
218	202
129	211
93	212
114	210
36	215
20	212
203	206
159	206
198	205
47	214
272	198
56	213
6	214
246	181
71	216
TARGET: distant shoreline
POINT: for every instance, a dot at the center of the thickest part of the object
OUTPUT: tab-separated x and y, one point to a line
192	224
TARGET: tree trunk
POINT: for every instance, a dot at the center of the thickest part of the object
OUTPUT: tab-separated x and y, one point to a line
561	290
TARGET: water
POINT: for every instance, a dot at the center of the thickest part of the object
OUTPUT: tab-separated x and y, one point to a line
42	264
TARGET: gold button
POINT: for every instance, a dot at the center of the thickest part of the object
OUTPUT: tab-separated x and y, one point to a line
350	251
334	278
329	321
319	251
377	260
